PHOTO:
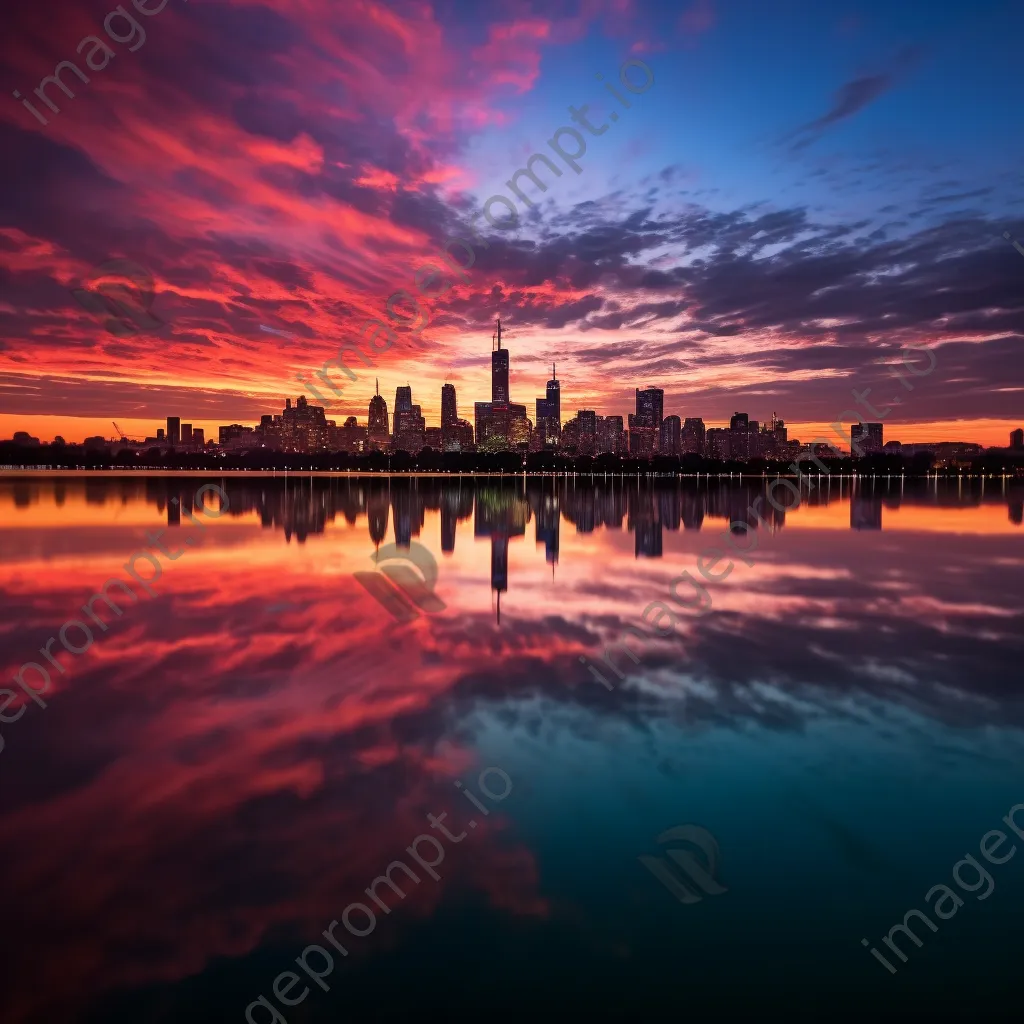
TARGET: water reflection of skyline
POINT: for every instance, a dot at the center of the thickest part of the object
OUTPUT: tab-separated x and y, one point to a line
304	507
214	736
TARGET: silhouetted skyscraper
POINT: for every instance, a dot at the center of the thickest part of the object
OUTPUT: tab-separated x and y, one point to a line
693	436
740	429
449	409
174	429
554	392
651	403
377	424
549	414
409	425
671	431
1017	438
645	425
499	370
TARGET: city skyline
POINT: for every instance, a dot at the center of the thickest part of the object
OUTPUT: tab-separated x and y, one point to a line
612	405
648	431
758	258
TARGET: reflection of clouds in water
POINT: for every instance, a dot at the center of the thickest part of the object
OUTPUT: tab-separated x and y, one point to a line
855	848
261	763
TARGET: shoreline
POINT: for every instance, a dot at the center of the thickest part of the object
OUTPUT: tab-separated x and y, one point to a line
22	472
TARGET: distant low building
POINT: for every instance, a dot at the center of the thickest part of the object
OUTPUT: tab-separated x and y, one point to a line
866	439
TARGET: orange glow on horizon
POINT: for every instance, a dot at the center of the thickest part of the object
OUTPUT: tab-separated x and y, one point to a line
992	433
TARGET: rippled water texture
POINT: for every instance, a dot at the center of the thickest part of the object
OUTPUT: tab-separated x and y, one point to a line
237	756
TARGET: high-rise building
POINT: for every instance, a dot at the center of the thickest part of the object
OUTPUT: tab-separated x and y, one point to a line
610	435
693	436
866	438
549	415
186	433
377	423
586	420
550	407
520	429
304	427
173	430
671	436
449	408
742	441
645	424
198	437
410	427
499	369
456	435
1017	438
650	403
719	443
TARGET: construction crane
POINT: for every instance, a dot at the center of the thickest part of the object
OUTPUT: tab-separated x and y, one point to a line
121	434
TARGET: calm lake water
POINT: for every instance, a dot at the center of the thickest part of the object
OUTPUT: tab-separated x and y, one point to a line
237	757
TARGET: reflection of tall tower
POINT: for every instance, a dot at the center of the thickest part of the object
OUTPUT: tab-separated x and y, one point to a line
865	510
377	509
645	520
449	409
499	568
499	369
548	520
501	513
456	503
449	520
408	508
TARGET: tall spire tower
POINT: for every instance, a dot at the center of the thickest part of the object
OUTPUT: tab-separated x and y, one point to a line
554	396
499	369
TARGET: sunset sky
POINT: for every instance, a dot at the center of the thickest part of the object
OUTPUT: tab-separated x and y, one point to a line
804	188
